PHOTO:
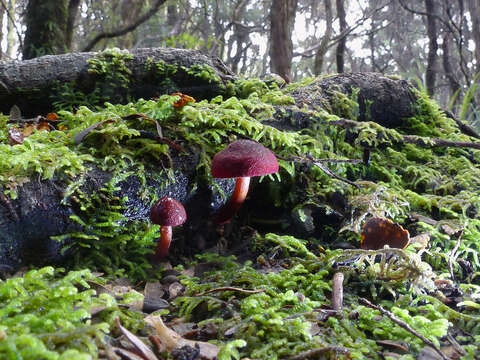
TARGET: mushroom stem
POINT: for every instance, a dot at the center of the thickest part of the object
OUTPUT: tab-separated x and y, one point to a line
226	213
164	242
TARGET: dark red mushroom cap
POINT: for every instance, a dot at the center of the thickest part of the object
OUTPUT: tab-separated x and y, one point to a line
168	212
244	158
378	232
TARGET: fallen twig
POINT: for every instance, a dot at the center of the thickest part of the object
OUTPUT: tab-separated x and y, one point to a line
453	254
413	139
337	291
326	170
228	288
403	325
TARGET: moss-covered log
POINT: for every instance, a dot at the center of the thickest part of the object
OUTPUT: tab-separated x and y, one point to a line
52	181
117	76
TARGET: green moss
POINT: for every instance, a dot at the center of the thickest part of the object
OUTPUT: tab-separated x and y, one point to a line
46	314
296	273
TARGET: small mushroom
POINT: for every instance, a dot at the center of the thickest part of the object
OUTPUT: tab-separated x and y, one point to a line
378	232
166	212
241	159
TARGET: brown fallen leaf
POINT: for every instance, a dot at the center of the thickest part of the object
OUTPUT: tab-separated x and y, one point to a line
15	136
171	340
396	345
146	352
82	134
184	99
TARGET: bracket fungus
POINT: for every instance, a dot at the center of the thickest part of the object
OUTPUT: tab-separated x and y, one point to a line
378	232
241	159
166	212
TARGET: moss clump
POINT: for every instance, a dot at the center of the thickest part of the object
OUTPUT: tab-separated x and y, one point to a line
47	315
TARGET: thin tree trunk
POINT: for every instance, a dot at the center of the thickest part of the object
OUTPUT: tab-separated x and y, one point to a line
430	73
322	50
46	22
340	52
2	12
474	9
73	7
282	20
10	30
453	83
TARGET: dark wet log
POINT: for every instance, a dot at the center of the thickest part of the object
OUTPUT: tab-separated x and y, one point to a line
28	222
382	99
33	84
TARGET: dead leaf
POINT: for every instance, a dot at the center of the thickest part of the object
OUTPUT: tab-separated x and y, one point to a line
174	289
421	239
28	130
146	352
171	340
449	230
397	345
44	125
184	99
15	113
51	117
82	134
15	136
153	297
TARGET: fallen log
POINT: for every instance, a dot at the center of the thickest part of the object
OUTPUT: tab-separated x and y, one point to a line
114	75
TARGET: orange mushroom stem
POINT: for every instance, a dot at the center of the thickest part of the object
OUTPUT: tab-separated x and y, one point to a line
235	202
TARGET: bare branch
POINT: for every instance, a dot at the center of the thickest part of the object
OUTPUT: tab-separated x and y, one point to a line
403	325
126	29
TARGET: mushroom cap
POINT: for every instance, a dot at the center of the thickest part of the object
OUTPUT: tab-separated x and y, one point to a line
378	232
168	212
244	158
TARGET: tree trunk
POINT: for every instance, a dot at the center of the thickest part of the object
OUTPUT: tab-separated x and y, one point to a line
430	73
46	22
453	83
282	20
34	85
10	31
322	50
73	6
474	9
340	52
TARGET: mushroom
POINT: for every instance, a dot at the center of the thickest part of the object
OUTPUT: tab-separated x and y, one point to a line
166	212
378	232
241	159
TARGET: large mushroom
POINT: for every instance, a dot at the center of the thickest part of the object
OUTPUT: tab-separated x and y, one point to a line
166	212
241	159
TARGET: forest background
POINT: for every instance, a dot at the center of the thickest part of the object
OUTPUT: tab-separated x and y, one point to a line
435	43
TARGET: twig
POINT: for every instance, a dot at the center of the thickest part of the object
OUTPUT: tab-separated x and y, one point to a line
411	139
228	288
403	325
452	257
337	291
326	170
316	352
126	29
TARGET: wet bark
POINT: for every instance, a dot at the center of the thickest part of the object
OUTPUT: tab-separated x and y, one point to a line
282	19
32	84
